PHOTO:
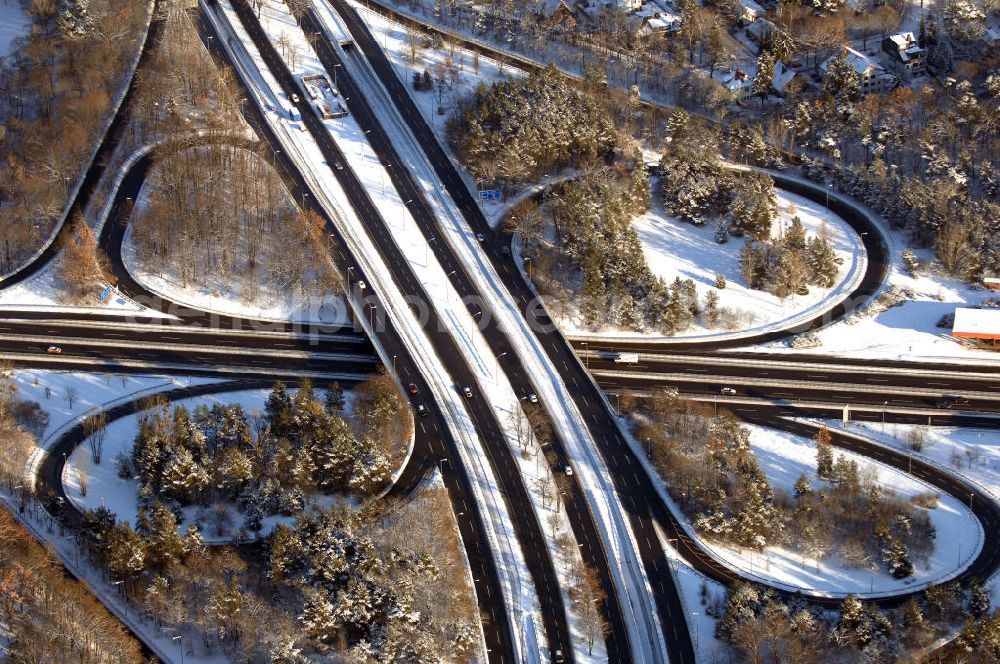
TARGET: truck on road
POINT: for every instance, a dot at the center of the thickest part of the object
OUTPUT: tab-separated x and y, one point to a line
626	358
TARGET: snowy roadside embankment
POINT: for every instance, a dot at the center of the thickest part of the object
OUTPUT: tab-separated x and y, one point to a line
633	588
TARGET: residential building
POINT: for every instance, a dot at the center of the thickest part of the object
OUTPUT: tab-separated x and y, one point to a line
557	13
908	58
783	75
873	76
651	20
738	82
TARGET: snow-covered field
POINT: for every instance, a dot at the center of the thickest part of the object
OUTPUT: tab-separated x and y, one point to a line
105	488
969	452
908	331
973	454
41	293
14	22
674	248
53	391
783	457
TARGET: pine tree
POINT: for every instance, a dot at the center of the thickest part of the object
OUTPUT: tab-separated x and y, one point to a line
279	410
711	313
334	398
754	206
630	314
371	471
183	477
159	526
898	559
722	231
979	599
742	607
821	262
720	281
332	450
752	265
824	454
842	80
802	486
795	237
913	616
593	294
679	308
126	552
763	82
254	518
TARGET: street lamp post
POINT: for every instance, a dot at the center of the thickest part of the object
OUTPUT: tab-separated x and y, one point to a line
426	247
180	638
447	291
496	366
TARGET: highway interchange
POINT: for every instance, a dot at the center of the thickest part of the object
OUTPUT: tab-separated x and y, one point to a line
200	343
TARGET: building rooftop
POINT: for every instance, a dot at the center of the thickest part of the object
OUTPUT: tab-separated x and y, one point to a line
977	323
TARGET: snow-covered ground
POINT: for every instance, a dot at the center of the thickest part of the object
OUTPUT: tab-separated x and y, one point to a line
674	248
54	390
783	457
972	453
908	331
105	488
41	293
217	292
14	22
